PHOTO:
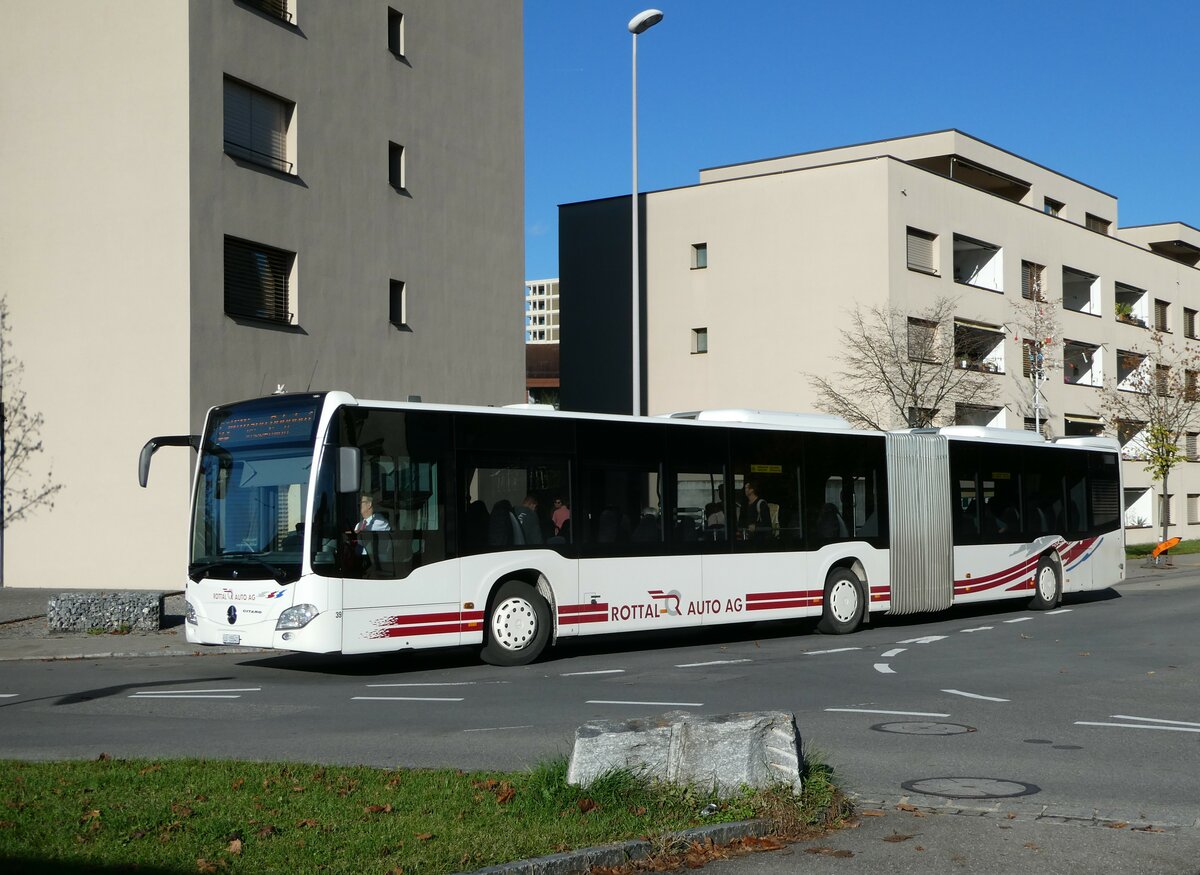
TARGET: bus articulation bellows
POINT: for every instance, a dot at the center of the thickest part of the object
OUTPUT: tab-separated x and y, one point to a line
325	524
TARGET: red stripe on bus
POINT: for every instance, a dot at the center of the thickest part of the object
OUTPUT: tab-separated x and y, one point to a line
406	631
579	609
775	596
422	618
787	603
1012	569
586	618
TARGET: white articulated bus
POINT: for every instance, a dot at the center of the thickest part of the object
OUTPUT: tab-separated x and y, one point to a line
321	523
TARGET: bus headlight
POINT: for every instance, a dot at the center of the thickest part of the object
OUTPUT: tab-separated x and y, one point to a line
190	613
296	617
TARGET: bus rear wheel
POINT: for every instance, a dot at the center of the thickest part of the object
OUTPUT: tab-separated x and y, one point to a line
843	603
518	625
1047	585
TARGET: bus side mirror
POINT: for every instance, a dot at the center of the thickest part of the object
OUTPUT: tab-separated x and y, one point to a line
349	465
152	445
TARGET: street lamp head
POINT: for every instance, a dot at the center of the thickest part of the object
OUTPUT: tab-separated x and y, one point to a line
643	21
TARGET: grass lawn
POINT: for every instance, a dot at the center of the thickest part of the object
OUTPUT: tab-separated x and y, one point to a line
1140	551
230	817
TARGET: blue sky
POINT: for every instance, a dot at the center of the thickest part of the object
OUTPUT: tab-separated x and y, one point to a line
1101	91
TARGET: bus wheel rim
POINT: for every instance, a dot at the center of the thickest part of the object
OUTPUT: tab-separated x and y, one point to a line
1047	583
514	624
843	601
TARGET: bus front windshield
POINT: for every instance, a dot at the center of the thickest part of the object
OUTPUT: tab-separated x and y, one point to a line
252	489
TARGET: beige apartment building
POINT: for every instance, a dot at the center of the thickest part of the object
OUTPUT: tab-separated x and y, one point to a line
750	275
208	200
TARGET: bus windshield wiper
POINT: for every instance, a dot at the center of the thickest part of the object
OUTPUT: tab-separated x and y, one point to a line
198	571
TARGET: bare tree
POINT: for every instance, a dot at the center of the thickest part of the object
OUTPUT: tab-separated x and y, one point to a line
902	369
24	489
1153	407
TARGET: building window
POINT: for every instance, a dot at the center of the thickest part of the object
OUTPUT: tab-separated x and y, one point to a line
398	304
1191	388
1095	223
258	281
1193	508
920	251
1051	207
258	126
1189	323
396	32
921	417
1081	291
1032	286
978	347
699	256
922	340
396	166
1132	371
1080	425
976	414
699	341
1191	446
1138	508
1161	309
1082	364
1131	304
978	264
280	9
1031	425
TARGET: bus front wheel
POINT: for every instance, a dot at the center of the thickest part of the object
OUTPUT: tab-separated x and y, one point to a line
518	625
843	603
1047	585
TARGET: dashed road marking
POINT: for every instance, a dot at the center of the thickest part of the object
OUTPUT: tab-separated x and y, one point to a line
194	694
498	728
1059	611
884	668
575	674
977	629
876	711
1154	720
402	699
713	662
619	702
445	684
975	696
835	650
895	651
1019	620
1140	726
927	639
9	695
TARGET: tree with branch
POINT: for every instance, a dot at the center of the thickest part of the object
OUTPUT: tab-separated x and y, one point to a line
24	488
1036	329
901	369
1153	408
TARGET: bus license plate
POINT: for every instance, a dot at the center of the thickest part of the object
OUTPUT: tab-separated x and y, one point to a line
231	639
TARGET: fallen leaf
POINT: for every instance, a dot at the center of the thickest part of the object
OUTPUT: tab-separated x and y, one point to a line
237	785
378	809
1011	816
90	815
266	832
872	812
203	865
586	805
307	823
918	848
829	852
235	846
103	757
1120	824
904	806
1032	846
423	836
181	810
297	789
154	768
897	837
489	784
639	811
505	795
1146	829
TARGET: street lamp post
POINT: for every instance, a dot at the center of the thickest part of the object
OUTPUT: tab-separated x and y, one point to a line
640	23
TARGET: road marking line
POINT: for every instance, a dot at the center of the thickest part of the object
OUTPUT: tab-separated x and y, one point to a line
1139	726
1059	611
182	696
928	639
195	692
1153	720
977	629
835	650
714	662
874	711
498	728
1019	620
975	696
883	668
618	702
446	684
401	699
895	651
575	674
8	695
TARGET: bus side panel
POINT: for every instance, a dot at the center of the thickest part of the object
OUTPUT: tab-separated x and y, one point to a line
418	611
988	572
640	592
482	573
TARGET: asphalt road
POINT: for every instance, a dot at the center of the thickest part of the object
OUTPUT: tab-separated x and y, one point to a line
1094	706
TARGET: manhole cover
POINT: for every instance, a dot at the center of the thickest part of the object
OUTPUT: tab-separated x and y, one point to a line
970	788
923	727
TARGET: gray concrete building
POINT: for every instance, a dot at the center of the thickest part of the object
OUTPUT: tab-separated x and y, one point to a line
204	200
749	277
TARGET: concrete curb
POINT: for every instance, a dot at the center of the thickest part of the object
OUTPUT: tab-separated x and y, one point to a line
134	654
581	861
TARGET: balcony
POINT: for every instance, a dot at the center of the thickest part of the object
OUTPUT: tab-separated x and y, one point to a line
978	347
1081	291
1135	372
1082	364
978	264
1132	305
